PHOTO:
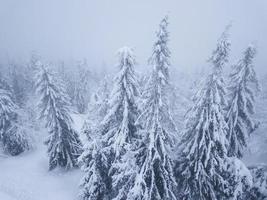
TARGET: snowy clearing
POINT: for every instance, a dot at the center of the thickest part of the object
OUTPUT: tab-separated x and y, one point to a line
26	177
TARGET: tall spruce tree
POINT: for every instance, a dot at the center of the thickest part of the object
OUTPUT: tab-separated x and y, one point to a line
243	86
201	168
95	183
64	145
154	178
116	131
118	126
12	136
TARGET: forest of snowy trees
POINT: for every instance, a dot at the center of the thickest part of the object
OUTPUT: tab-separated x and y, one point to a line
143	138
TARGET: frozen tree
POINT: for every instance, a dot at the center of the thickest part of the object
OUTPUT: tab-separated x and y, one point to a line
64	145
259	189
125	171
12	136
20	84
143	81
85	85
81	92
115	132
201	167
243	86
69	76
154	178
79	99
94	184
118	126
241	179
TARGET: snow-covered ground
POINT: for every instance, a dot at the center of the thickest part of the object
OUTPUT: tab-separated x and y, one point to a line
26	177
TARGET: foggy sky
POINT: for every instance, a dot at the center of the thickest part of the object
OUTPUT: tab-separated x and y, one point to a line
77	29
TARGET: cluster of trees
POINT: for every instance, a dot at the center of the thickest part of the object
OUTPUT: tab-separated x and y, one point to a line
135	151
34	92
64	145
132	148
14	137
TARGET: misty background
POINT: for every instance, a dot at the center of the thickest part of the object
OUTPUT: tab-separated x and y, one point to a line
81	119
71	30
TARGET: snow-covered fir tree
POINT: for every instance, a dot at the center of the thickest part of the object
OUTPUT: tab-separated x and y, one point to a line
79	100
124	172
118	126
116	131
19	83
64	145
69	78
259	189
243	87
154	177
12	136
240	179
201	167
31	68
95	183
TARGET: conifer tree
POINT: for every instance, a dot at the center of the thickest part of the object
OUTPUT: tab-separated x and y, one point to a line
240	179
12	136
100	104
201	168
94	185
243	86
79	99
64	145
154	178
118	126
81	92
116	131
21	86
259	189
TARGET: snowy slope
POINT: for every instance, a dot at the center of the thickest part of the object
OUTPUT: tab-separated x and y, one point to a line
26	177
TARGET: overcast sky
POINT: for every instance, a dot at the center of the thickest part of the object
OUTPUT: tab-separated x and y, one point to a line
95	29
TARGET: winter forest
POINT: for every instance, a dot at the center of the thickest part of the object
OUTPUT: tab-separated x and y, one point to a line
70	131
